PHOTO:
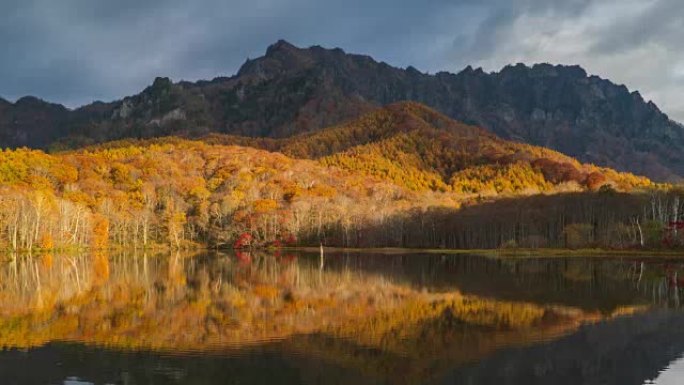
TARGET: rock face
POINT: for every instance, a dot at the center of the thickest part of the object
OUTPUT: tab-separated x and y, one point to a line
292	90
564	109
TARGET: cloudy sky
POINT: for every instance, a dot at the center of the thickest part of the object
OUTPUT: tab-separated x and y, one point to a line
76	51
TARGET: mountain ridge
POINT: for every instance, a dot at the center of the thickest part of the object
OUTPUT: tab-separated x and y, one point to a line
417	148
291	90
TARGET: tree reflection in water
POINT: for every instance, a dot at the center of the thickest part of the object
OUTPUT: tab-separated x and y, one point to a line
372	318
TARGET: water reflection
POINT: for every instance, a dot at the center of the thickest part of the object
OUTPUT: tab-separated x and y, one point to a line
671	375
136	318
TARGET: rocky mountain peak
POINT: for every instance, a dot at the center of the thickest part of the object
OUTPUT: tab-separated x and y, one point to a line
280	58
159	86
27	101
281	47
291	90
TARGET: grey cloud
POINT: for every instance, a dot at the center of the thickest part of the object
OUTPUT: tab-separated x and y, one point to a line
660	23
500	16
74	51
633	42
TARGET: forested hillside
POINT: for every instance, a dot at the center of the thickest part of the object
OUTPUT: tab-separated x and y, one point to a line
173	192
418	148
403	175
413	146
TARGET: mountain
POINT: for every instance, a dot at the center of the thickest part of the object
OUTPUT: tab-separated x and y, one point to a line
31	122
292	90
419	149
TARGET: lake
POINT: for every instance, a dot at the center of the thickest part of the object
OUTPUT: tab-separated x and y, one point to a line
348	318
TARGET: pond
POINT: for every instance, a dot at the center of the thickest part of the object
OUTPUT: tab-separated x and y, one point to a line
347	318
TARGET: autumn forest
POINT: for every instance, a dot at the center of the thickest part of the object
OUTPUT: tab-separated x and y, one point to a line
400	176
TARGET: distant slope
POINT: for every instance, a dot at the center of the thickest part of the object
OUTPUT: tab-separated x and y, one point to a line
31	122
360	183
418	148
292	90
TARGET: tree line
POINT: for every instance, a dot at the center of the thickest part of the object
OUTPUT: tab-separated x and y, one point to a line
607	219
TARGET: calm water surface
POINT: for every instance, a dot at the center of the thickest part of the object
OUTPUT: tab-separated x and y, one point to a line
360	318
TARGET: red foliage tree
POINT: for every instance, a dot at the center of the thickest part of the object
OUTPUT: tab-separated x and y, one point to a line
243	241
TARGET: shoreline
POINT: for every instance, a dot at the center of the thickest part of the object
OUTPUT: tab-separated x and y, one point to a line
498	253
521	252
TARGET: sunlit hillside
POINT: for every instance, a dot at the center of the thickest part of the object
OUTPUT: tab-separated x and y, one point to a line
178	192
346	185
416	147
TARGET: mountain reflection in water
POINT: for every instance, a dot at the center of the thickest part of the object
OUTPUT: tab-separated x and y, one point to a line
253	318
